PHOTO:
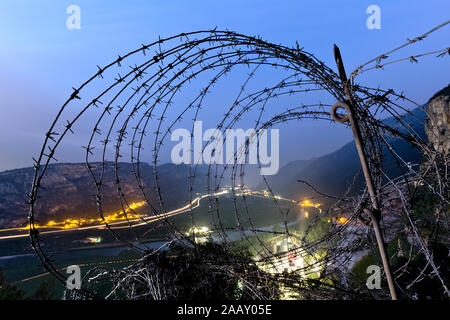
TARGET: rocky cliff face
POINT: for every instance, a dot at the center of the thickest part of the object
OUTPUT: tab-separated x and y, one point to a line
438	121
69	192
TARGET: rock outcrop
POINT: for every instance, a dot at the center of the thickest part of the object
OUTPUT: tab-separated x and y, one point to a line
438	121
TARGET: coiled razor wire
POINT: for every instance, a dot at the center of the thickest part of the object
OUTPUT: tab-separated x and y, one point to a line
132	103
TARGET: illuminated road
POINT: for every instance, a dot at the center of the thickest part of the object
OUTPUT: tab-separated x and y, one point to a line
281	262
140	221
117	225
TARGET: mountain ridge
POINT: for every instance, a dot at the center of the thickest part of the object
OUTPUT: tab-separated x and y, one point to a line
334	173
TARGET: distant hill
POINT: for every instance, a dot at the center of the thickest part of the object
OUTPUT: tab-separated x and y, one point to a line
333	173
68	190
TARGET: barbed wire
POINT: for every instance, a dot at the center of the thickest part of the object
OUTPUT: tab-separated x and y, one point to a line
129	105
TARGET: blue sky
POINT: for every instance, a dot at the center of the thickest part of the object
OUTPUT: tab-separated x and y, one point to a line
40	59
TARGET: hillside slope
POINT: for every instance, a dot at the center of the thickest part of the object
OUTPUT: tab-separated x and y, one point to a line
68	190
333	173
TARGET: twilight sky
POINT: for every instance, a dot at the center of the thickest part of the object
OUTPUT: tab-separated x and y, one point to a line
41	60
